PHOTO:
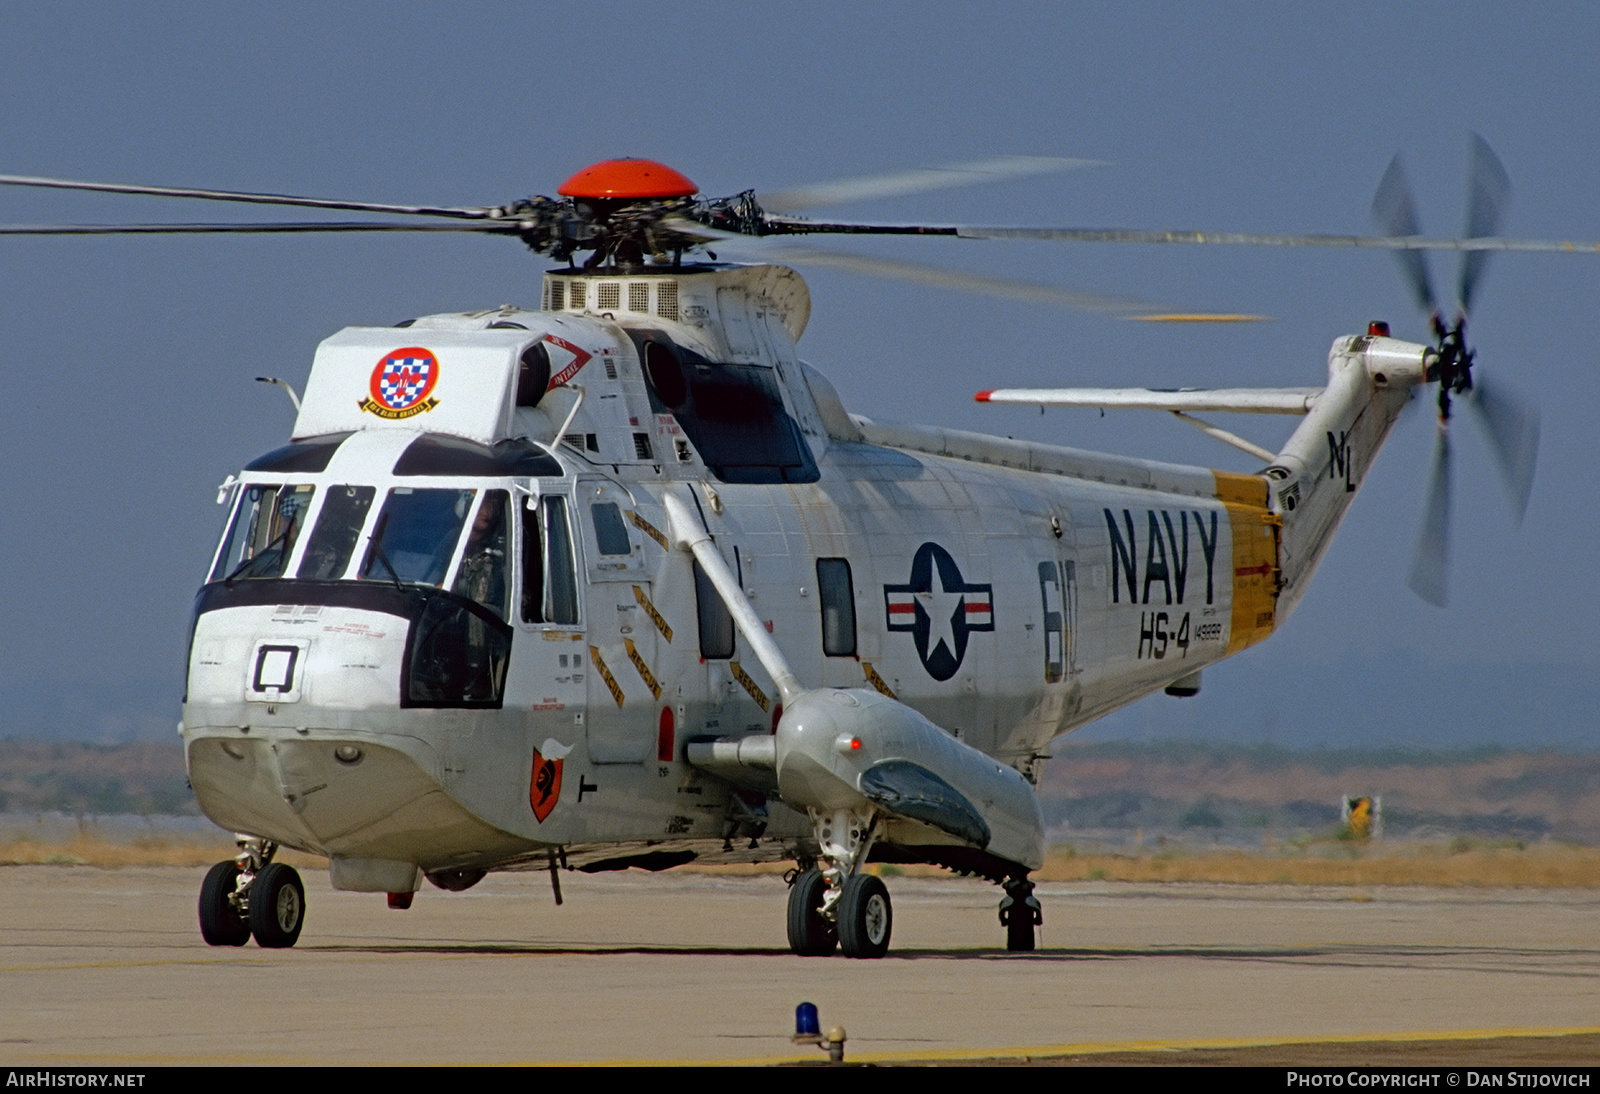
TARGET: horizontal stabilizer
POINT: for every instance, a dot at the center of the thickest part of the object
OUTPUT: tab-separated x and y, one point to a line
1239	400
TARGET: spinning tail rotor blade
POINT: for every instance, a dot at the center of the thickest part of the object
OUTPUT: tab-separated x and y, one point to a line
1430	570
1488	188
1513	429
1395	211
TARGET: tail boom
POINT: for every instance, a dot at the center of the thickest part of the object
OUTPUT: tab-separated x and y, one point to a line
1314	478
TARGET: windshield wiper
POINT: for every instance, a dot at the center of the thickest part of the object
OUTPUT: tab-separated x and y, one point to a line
281	542
375	550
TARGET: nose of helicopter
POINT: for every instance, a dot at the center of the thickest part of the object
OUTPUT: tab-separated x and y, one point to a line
294	732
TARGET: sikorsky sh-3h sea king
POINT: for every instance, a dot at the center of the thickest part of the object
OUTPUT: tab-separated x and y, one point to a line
618	581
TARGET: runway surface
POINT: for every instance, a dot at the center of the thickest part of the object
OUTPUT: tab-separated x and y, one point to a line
106	967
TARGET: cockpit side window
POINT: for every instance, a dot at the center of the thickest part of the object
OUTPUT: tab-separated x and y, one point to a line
333	540
262	535
482	573
549	565
416	535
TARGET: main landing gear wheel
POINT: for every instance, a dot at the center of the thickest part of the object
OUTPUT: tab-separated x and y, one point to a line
809	934
865	917
220	921
277	906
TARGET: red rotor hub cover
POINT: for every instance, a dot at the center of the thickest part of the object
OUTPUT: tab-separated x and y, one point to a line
628	178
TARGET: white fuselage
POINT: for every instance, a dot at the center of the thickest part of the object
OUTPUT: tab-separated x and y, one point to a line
499	655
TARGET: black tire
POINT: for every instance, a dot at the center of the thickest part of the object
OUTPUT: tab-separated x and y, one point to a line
277	906
220	922
809	934
1019	930
865	917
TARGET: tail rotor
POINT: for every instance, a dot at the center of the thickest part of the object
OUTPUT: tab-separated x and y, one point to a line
1511	424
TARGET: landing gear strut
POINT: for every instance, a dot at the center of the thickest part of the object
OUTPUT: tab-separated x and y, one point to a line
1020	914
252	895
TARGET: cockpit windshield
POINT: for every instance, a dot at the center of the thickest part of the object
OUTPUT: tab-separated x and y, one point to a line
455	539
440	558
333	540
415	535
266	523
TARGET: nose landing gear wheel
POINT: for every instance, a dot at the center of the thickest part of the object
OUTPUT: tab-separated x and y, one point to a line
809	934
277	906
865	917
220	921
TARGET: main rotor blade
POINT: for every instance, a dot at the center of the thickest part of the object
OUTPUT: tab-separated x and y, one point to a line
794	226
917	181
1395	211
1488	188
1513	428
937	277
254	199
507	227
1430	570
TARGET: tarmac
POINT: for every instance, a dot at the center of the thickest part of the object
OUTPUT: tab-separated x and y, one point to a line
105	967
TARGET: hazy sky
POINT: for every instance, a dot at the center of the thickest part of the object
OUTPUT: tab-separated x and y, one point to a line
131	360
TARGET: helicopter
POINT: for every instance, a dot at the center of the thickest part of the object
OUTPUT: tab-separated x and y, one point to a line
618	582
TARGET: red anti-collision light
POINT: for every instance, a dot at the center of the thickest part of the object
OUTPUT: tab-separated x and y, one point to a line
628	178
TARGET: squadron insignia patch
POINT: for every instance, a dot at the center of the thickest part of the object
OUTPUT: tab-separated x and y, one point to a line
544	785
402	384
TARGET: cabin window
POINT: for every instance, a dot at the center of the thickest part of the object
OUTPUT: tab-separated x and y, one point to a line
549	567
262	534
482	573
333	540
716	624
610	533
416	535
837	597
